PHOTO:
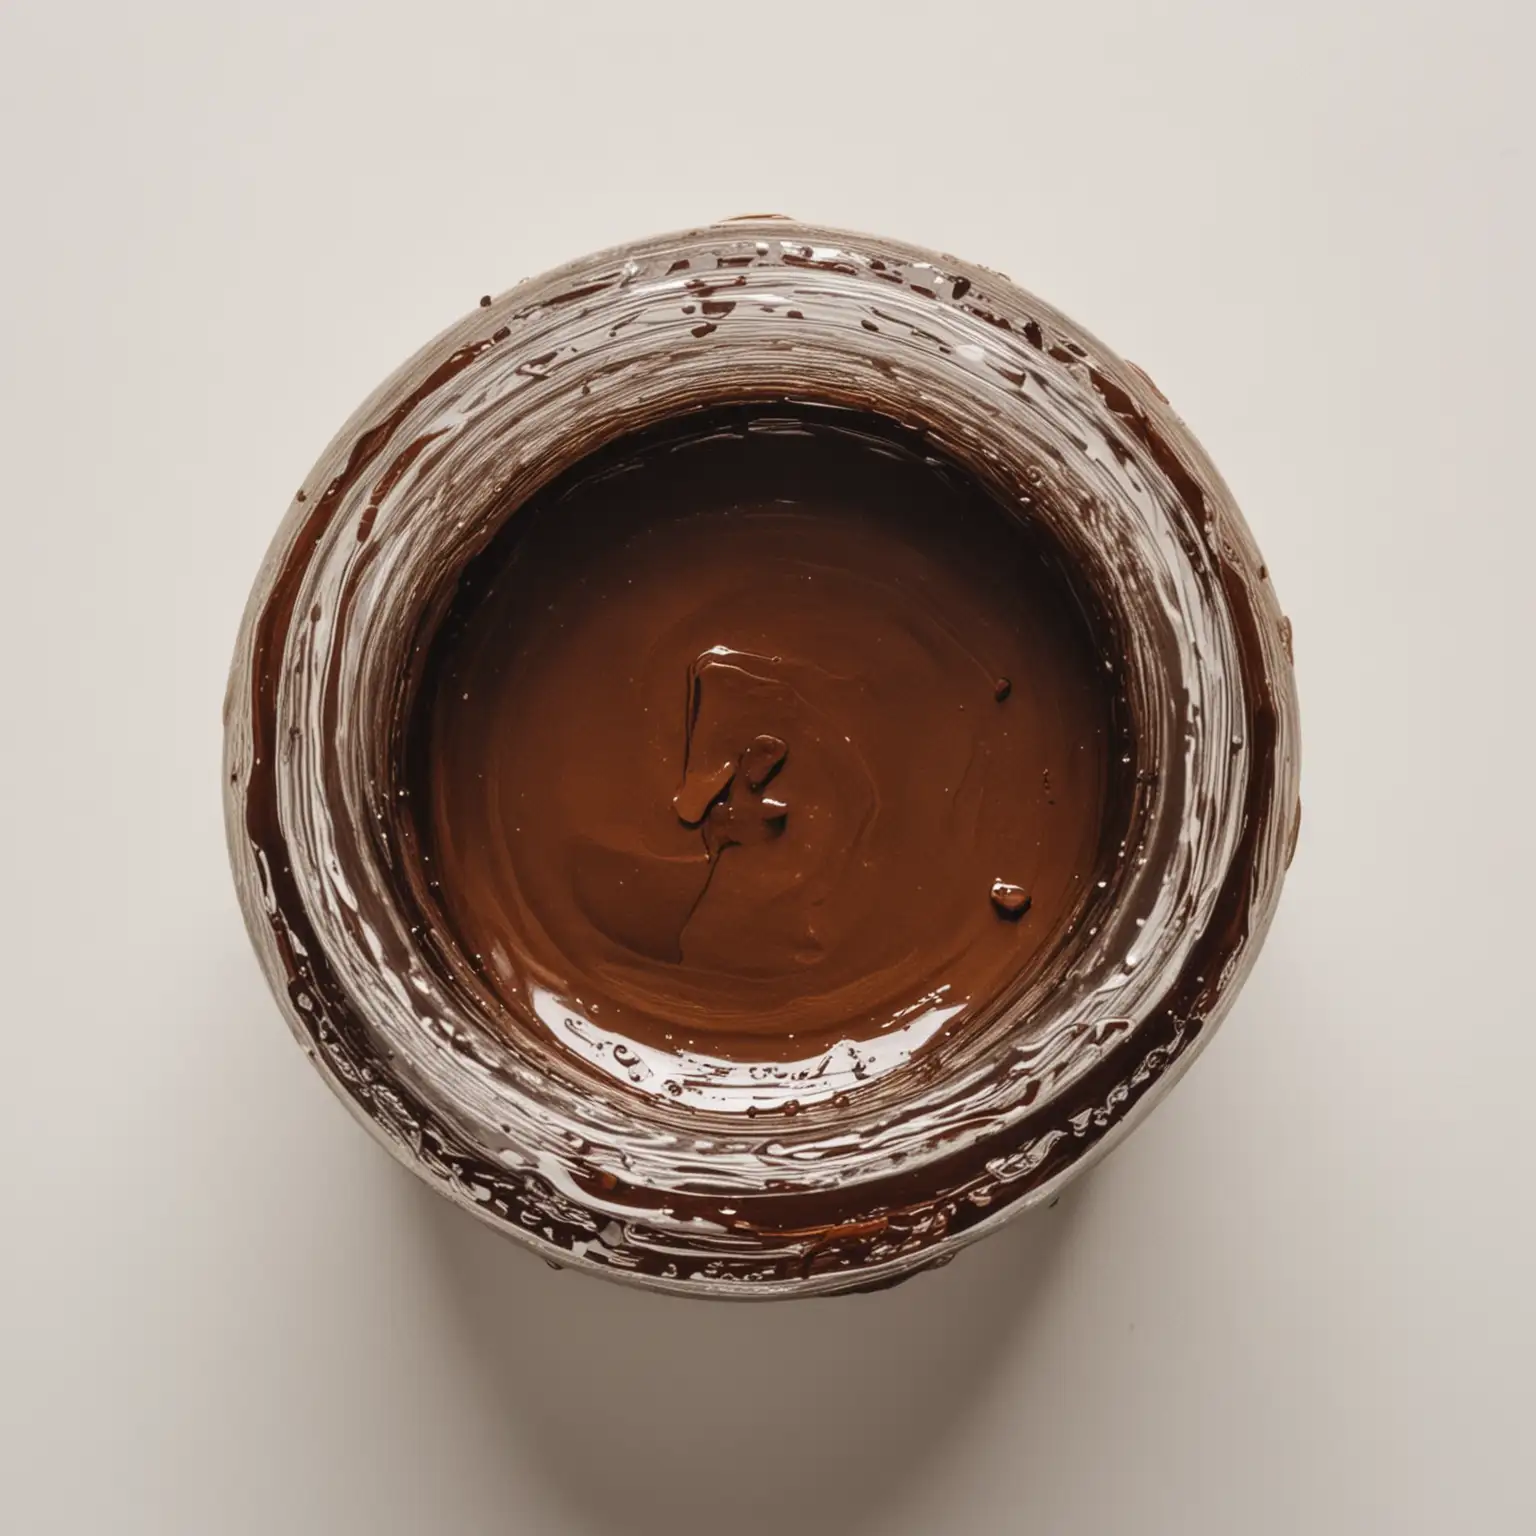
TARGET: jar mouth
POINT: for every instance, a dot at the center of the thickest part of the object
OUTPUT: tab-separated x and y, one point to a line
763	1075
902	1167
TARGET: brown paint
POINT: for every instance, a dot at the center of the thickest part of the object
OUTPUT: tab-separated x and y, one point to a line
715	741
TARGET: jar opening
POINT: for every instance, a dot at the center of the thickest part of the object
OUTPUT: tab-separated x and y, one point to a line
758	756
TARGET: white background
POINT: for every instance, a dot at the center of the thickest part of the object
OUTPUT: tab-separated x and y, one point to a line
1301	1299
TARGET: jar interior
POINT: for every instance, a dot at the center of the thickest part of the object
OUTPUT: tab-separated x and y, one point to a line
940	802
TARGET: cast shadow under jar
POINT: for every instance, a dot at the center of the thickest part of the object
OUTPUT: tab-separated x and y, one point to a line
655	1414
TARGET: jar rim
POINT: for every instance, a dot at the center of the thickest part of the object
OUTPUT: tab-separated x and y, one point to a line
496	407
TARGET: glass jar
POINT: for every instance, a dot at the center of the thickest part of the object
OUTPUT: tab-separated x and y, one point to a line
870	1180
